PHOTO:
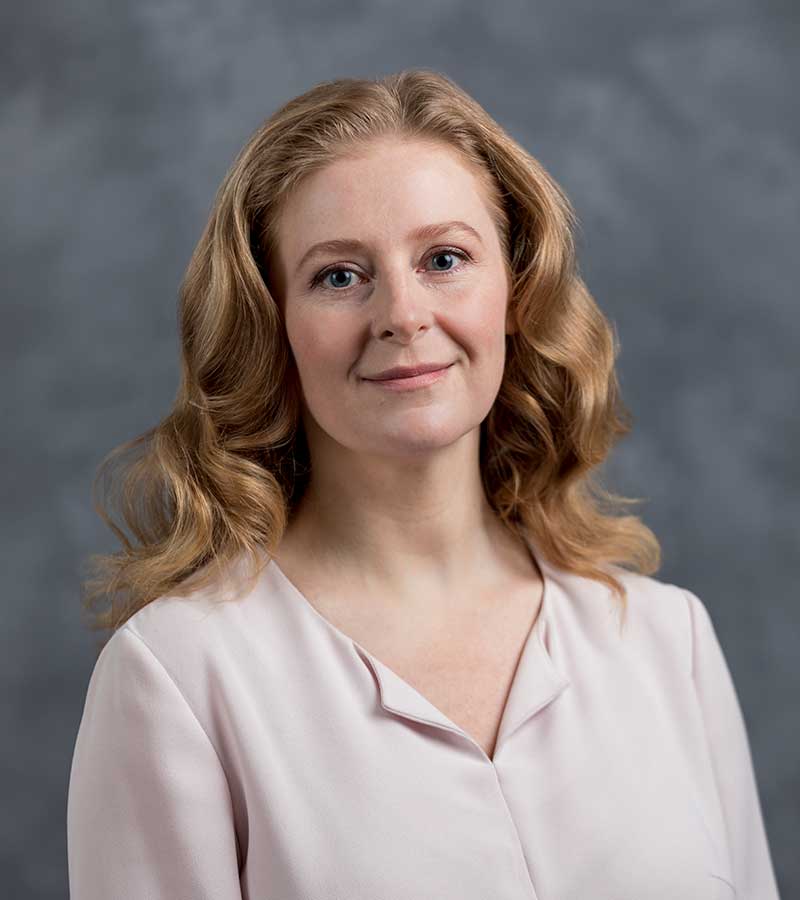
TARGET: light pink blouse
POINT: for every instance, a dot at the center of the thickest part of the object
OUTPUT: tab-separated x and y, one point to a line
250	749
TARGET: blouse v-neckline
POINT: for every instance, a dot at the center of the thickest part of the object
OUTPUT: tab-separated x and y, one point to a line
536	681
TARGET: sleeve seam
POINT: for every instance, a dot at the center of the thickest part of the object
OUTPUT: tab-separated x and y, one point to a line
688	600
150	650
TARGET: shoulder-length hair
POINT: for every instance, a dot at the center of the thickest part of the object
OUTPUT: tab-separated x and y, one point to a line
220	474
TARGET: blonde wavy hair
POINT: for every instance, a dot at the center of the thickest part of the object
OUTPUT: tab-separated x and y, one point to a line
220	474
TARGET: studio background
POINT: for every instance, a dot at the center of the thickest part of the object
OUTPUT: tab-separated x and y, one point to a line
674	131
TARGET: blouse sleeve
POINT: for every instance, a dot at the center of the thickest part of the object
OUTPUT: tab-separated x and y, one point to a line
149	813
731	760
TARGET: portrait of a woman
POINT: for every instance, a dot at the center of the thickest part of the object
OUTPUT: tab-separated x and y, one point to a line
380	633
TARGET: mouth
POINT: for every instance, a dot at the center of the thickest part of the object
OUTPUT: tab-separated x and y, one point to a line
411	382
406	371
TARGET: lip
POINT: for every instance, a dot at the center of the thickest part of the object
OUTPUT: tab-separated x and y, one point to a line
408	371
411	382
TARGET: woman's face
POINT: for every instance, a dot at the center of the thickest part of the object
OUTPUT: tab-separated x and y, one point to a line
405	285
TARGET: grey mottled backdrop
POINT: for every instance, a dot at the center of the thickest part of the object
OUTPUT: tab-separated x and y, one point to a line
674	129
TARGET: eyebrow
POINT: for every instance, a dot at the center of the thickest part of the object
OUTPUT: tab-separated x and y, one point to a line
343	245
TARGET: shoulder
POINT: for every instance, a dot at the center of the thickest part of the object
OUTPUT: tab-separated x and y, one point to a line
657	624
201	629
195	657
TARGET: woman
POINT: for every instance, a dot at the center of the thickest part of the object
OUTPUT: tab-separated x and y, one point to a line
367	646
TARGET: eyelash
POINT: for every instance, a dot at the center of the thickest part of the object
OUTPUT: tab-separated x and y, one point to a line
320	276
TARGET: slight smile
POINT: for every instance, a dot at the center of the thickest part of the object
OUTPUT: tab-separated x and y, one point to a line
412	382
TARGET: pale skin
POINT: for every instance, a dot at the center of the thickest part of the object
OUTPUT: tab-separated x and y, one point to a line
394	541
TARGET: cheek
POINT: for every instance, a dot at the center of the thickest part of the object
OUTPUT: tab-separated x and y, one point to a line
483	321
321	346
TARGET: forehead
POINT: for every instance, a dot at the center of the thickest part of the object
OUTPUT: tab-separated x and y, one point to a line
385	191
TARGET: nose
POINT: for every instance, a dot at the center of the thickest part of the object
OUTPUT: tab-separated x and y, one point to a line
401	306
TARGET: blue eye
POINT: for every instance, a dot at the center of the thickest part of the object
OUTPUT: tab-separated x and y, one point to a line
440	255
339	270
336	273
320	277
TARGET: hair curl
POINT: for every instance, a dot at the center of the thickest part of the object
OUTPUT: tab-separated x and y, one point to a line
220	474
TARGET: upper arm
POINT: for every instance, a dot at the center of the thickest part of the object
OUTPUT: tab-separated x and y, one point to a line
731	759
149	812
